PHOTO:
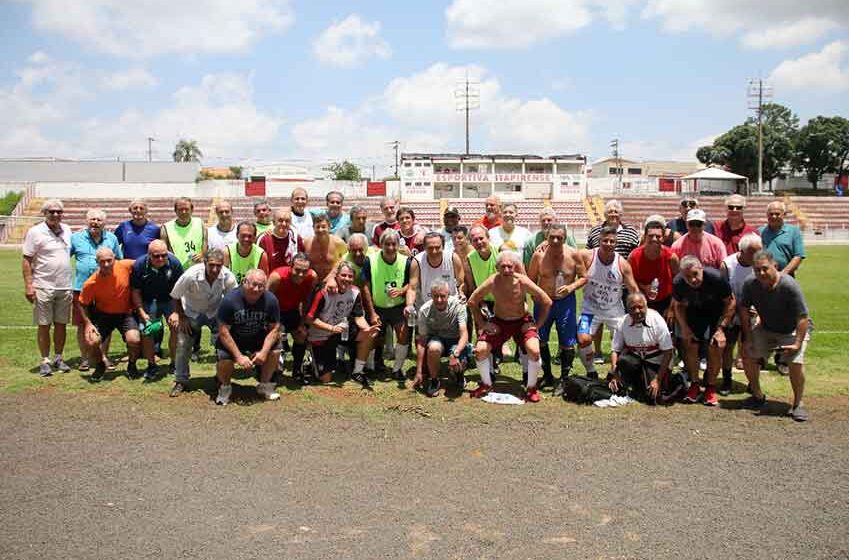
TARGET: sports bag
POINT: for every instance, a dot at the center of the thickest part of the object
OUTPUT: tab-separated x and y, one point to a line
584	390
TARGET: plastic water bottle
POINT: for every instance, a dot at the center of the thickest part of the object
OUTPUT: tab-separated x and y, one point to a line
344	334
411	317
559	282
653	288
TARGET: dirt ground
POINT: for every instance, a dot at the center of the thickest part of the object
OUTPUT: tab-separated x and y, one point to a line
105	476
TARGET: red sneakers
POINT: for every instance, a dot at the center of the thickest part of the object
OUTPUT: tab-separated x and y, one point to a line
693	394
532	395
480	391
710	396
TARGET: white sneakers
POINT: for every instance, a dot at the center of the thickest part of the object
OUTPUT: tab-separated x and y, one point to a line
266	390
224	392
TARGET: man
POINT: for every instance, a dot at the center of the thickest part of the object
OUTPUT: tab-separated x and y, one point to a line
460	242
262	214
781	239
84	246
412	234
245	254
153	277
185	234
492	213
292	285
508	236
386	282
510	320
451	219
706	247
105	304
281	243
654	266
329	318
46	268
358	250
435	264
677	227
783	326
442	332
248	336
196	297
704	308
607	273
480	263
736	269
224	232
357	223
559	271
324	249
627	238
547	217
301	218
641	352
337	218
388	206
135	234
733	227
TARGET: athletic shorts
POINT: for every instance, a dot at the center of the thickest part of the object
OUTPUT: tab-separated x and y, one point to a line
449	345
245	347
291	319
52	306
660	305
390	316
158	309
324	355
764	343
562	315
589	323
520	330
108	322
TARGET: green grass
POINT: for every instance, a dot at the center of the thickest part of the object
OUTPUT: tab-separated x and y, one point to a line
820	277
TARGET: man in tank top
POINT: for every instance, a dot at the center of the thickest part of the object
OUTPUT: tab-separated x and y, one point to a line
435	264
245	254
185	234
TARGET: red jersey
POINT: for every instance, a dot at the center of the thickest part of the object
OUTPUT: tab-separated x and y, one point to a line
730	237
290	295
380	228
646	270
281	250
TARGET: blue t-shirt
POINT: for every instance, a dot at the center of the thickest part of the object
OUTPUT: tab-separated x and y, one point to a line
83	248
155	283
135	239
248	323
784	244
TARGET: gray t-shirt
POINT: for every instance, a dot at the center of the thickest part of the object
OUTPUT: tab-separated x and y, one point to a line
780	308
444	324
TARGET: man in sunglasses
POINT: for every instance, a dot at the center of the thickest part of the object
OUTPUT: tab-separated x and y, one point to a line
733	227
708	248
677	227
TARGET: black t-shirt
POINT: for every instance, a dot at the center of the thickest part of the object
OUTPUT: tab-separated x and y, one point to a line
706	303
248	323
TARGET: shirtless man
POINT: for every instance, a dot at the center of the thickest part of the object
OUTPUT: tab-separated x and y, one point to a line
560	272
607	272
510	320
324	250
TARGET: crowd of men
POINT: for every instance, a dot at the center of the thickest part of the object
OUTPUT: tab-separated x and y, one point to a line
339	286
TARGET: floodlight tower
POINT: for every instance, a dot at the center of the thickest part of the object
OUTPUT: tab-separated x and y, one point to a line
467	97
757	92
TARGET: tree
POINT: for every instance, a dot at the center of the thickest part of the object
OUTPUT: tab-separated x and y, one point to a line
236	171
345	171
821	147
187	150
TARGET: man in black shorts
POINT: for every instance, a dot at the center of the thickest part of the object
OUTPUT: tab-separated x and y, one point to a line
293	285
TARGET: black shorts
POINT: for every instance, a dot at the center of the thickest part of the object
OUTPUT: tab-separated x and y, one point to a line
108	322
324	355
660	305
390	316
703	330
290	320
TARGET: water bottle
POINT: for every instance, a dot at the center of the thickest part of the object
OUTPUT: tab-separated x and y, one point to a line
559	282
653	288
345	328
411	317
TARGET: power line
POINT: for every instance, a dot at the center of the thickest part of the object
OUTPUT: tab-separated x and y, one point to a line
757	92
467	97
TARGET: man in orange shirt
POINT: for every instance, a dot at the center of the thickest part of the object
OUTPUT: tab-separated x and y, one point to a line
492	216
105	304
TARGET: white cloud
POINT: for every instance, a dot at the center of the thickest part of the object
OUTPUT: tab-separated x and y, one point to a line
38	57
776	24
156	27
129	79
823	71
350	42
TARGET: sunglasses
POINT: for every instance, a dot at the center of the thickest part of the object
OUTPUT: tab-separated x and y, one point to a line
159	255
690	204
734	207
696	224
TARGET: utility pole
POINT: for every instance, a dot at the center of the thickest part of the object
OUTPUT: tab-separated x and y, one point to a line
757	92
150	148
467	97
614	147
395	144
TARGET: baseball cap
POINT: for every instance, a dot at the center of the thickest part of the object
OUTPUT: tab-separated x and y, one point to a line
452	210
696	215
655	219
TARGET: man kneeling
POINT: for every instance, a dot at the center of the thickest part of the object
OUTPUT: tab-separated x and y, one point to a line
511	320
248	335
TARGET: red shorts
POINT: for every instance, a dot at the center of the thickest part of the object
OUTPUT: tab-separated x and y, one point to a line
520	330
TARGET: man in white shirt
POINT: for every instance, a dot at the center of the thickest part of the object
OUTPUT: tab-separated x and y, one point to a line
224	232
301	217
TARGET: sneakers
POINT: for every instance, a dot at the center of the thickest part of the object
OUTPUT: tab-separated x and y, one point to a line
432	387
97	374
546	381
177	389
398	375
754	403
693	393
599	359
461	381
560	388
150	374
60	365
480	391
702	364
195	356
532	395
783	368
362	379
224	392
266	391
798	413
44	370
710	396
725	390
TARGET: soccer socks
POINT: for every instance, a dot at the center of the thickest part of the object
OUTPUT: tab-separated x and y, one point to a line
483	370
298	351
358	366
533	372
545	355
586	353
567	358
400	356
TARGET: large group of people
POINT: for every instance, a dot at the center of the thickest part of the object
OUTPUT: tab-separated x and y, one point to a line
348	292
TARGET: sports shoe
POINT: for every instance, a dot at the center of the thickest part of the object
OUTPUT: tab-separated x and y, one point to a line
150	374
84	365
754	403
480	391
432	387
532	395
599	359
702	364
560	388
693	393
725	389
97	374
224	392
710	396
398	375
798	413
60	365
177	389
783	368
546	381
195	356
362	379
461	381
44	370
266	391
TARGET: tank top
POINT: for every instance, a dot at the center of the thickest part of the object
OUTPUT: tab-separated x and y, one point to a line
482	269
737	274
336	308
385	276
240	265
646	270
262	228
185	240
427	275
216	239
603	292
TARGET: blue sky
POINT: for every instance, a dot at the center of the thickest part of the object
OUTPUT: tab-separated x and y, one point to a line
269	80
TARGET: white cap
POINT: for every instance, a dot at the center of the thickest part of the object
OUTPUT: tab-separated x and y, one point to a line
696	215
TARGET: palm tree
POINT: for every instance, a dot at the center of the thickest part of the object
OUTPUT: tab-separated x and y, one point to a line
187	150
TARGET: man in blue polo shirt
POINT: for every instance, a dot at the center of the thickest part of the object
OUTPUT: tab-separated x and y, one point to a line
783	240
84	244
135	234
151	281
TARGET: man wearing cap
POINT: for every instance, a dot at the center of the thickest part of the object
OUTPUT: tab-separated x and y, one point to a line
677	227
733	227
706	247
450	220
651	262
781	239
